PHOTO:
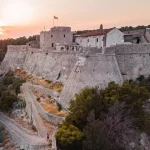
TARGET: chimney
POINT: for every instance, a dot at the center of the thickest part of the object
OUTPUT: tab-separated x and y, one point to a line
101	27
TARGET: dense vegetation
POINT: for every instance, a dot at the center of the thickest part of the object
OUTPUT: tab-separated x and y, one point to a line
9	89
18	41
106	119
130	28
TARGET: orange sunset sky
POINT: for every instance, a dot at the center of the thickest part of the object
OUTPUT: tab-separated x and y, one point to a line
29	17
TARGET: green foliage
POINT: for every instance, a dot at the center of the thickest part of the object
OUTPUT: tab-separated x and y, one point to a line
38	99
48	81
69	137
8	80
18	41
1	137
20	104
109	131
79	109
95	135
126	28
59	106
9	89
34	128
134	94
130	28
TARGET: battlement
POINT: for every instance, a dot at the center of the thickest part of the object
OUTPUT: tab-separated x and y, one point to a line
61	29
128	49
17	48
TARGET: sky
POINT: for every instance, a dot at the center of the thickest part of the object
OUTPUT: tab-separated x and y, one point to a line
29	17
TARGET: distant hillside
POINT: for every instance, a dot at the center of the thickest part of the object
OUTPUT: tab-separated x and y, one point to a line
129	28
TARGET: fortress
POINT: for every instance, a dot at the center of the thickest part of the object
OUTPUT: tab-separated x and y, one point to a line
79	66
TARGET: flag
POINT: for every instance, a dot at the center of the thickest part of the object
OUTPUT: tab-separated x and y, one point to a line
55	17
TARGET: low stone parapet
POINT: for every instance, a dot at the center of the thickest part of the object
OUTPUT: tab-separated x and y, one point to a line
47	116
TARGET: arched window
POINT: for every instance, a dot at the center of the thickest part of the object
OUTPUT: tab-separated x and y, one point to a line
52	44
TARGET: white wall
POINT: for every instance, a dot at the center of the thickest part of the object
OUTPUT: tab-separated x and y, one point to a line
148	34
114	37
83	41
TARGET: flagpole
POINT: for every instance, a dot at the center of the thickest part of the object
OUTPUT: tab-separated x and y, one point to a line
53	21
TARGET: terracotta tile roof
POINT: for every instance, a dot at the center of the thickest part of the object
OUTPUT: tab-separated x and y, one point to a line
96	32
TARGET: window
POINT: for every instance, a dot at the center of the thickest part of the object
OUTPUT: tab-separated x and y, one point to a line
64	36
62	48
52	44
97	39
88	40
51	35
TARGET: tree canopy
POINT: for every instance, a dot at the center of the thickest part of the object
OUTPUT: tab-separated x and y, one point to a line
117	110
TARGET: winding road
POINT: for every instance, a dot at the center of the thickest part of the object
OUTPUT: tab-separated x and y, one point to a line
28	138
31	140
42	130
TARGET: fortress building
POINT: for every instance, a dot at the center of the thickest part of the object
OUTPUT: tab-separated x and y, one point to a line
101	38
137	36
61	35
59	59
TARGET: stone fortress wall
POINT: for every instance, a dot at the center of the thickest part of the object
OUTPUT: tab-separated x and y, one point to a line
133	60
80	69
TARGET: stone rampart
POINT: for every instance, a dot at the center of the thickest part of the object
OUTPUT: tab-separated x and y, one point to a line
133	60
128	49
18	140
17	48
47	116
78	70
92	71
46	91
18	125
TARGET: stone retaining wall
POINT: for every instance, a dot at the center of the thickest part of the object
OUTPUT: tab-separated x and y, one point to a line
20	141
49	117
46	91
18	125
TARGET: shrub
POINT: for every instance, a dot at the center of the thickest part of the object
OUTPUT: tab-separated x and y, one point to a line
110	131
59	106
48	81
1	137
69	137
38	99
34	128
